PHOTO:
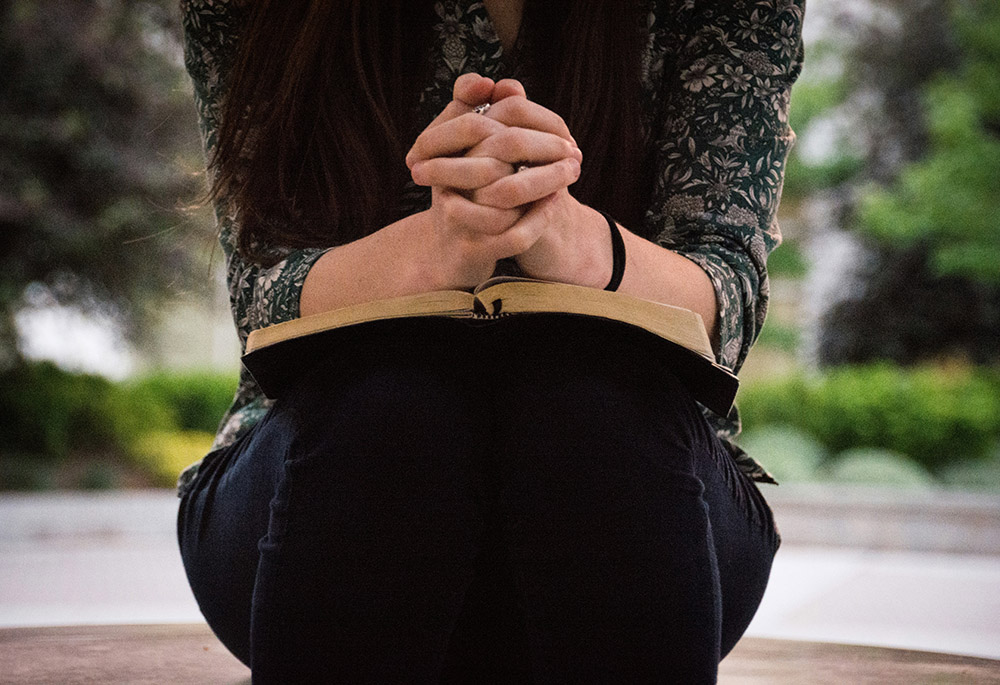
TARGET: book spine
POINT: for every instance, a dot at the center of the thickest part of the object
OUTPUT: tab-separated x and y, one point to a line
492	310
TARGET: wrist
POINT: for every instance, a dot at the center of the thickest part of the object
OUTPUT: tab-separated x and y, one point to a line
427	265
595	259
580	254
440	260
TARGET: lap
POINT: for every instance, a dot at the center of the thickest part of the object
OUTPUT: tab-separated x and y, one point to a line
494	426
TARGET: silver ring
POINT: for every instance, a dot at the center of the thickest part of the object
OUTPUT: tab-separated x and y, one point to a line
518	168
482	109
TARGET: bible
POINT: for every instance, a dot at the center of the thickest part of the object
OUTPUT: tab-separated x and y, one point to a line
679	333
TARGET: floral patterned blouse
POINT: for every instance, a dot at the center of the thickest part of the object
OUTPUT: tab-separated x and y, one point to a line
716	79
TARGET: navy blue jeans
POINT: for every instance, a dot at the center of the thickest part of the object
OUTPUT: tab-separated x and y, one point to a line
534	501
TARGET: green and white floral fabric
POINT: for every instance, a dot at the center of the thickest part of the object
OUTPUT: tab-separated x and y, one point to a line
716	81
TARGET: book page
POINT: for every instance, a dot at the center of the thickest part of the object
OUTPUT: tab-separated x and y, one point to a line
438	303
676	324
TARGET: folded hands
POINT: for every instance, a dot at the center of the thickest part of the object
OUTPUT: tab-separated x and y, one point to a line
499	181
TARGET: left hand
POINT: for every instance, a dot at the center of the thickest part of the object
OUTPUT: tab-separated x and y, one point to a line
574	245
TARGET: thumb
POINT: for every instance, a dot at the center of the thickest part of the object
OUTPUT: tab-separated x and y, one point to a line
506	88
473	89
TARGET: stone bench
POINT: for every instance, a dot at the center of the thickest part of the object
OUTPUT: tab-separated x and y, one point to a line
161	654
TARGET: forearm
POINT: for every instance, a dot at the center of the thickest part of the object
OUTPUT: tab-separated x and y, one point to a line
382	265
582	255
655	273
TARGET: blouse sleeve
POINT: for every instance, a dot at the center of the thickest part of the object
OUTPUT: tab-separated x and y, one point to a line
721	143
259	296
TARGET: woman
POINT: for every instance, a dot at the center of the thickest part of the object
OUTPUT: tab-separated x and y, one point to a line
538	501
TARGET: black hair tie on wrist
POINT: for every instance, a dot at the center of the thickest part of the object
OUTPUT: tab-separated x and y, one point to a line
617	254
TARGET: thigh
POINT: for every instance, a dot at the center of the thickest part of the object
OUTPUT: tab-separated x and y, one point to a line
625	534
376	522
222	518
608	535
355	498
744	537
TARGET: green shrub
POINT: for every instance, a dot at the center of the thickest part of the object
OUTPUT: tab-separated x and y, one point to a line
161	422
934	415
98	476
872	466
48	412
197	400
779	337
164	454
787	261
23	472
789	454
979	475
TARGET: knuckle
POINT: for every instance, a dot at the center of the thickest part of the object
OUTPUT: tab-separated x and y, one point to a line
474	127
501	195
519	106
451	210
416	152
479	124
495	171
487	173
508	196
513	144
475	178
464	125
571	168
509	136
519	240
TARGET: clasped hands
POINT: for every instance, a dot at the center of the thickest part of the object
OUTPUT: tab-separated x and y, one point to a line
483	209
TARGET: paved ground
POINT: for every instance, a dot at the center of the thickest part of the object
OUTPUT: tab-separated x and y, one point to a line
856	567
189	653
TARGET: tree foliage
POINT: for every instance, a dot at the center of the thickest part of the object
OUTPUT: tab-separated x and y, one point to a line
907	313
949	200
95	127
863	88
926	197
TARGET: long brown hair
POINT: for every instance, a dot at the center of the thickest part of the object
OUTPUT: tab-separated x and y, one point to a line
322	101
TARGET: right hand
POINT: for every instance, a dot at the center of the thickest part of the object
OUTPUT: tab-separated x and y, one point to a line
464	237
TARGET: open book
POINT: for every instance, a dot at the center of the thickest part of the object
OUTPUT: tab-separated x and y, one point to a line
681	332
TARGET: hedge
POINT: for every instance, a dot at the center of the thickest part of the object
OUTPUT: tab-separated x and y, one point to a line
938	416
50	415
934	415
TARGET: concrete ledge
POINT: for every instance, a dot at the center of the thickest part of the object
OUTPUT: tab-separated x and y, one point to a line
942	521
161	654
138	655
759	661
831	515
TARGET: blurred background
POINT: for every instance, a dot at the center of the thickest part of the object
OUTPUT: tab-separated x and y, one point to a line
879	366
